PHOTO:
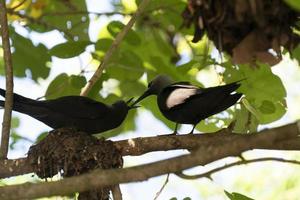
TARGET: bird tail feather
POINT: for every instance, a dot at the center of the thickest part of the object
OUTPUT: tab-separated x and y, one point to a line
2	103
17	98
19	101
229	101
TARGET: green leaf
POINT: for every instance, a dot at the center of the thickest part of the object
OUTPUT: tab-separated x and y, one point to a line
263	90
126	66
267	107
64	85
27	56
207	126
236	196
41	136
14	138
295	4
69	49
115	27
296	53
15	122
250	107
131	88
187	198
103	44
166	13
74	26
131	37
245	121
77	81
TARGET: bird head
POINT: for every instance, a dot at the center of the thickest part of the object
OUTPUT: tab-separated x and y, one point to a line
121	108
155	87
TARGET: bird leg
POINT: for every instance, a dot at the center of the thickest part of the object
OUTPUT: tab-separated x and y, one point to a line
192	131
175	130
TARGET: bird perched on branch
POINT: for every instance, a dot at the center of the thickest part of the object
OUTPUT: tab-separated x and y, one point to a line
81	113
184	103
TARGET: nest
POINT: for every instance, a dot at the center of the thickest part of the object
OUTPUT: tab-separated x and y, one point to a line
245	29
71	153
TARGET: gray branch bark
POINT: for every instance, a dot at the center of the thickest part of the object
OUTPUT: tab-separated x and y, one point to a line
9	81
267	139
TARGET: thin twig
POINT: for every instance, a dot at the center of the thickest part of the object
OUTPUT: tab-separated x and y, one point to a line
9	81
113	48
241	162
163	187
116	192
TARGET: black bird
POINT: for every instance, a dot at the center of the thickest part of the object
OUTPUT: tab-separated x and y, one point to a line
81	113
184	103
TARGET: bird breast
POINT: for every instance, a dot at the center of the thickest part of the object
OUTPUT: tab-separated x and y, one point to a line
179	95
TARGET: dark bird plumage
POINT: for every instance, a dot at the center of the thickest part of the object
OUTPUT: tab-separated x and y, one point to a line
81	113
184	103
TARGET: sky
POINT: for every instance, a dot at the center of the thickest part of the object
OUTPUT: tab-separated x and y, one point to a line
147	125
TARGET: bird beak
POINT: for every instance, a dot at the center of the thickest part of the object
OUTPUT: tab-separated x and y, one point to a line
129	101
132	106
146	93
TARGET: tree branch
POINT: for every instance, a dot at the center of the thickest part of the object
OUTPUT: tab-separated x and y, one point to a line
9	81
116	192
113	47
103	178
241	162
163	187
139	146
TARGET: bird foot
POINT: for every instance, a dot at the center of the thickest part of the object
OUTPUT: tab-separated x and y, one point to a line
174	133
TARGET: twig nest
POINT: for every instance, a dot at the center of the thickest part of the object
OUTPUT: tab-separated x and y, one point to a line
247	30
71	153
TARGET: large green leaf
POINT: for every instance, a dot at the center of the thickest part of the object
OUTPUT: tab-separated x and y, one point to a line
64	85
263	90
246	122
165	14
69	49
75	26
295	4
27	56
126	66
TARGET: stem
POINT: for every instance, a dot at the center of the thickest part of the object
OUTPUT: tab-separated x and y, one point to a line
9	81
113	48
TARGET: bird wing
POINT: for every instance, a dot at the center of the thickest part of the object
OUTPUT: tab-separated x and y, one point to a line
180	93
183	93
78	107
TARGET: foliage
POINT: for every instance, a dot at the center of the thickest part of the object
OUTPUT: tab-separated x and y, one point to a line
158	44
237	196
